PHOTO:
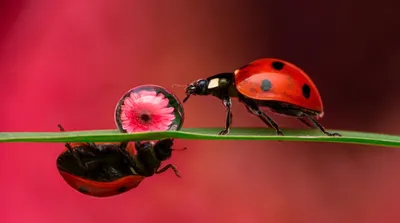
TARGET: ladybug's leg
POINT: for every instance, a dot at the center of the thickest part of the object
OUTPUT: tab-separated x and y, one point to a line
145	159
169	166
66	144
306	123
71	150
93	165
267	123
128	157
228	104
253	108
137	145
91	144
320	127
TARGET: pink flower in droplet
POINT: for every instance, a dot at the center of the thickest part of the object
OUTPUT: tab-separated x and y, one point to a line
146	111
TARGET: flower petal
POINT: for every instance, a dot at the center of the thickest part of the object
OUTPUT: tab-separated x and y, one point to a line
144	93
146	102
165	111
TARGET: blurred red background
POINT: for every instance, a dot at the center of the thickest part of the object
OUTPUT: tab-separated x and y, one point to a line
70	61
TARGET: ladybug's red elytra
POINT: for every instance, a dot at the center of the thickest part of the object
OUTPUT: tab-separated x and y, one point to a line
108	169
273	83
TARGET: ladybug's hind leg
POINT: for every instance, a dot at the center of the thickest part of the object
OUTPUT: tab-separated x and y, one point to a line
71	150
91	144
68	145
319	126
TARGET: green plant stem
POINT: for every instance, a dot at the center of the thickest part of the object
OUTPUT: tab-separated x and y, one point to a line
311	135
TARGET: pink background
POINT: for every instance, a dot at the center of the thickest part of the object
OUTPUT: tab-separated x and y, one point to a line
70	61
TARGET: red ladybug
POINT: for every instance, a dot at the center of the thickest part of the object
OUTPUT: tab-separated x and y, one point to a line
108	169
273	83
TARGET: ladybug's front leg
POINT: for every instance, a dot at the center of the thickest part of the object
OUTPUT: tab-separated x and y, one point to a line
228	121
169	166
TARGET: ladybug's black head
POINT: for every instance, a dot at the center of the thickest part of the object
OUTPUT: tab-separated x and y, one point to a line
199	87
163	149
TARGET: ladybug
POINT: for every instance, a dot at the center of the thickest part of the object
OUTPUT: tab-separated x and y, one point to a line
108	169
268	82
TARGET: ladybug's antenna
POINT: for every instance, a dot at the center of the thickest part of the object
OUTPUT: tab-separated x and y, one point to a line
178	85
185	148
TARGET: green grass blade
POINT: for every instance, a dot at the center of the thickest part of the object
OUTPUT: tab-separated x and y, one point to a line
204	134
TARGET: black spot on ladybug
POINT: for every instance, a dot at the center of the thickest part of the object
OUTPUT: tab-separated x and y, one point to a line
277	65
83	190
266	85
121	189
306	91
